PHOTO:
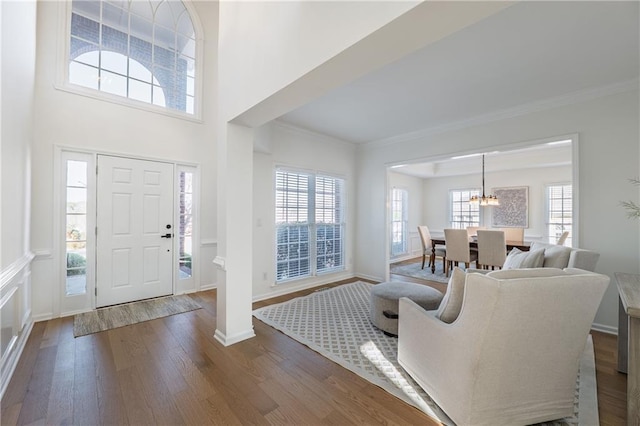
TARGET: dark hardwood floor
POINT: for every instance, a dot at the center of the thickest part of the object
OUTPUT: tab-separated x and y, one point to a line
172	371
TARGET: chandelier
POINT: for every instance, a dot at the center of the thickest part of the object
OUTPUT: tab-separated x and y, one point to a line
485	200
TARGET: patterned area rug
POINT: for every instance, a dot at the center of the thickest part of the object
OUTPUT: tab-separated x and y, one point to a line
414	270
335	323
131	313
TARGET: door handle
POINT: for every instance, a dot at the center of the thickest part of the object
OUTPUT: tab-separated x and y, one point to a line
166	236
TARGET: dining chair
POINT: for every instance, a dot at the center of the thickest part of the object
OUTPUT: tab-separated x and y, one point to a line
458	250
562	238
492	248
472	231
513	234
425	237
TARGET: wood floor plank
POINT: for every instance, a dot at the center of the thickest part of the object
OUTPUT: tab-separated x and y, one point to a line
191	374
51	333
137	410
24	370
36	399
209	411
111	408
172	371
60	408
289	407
10	414
305	395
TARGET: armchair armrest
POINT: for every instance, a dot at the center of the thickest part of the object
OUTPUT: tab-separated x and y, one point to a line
429	350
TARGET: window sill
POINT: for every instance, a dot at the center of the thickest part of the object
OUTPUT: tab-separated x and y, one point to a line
119	100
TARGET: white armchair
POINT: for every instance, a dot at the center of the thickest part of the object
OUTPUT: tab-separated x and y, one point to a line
512	354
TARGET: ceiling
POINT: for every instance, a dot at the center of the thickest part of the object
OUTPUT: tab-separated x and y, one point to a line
529	52
549	154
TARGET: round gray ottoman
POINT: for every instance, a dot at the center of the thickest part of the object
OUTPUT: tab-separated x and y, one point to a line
383	306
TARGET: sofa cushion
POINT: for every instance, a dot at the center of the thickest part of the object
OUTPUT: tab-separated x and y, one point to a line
508	274
451	304
555	256
524	259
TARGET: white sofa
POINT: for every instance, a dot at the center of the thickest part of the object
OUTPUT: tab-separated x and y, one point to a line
578	258
557	256
511	355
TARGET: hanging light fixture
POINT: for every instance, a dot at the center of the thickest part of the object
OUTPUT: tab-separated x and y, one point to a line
485	200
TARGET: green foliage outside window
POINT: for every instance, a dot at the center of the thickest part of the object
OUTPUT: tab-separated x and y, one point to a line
75	260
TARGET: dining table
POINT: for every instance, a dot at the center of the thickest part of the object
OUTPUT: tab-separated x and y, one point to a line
473	243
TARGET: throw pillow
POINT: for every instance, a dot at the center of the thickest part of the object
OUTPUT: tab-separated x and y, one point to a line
518	259
556	257
451	304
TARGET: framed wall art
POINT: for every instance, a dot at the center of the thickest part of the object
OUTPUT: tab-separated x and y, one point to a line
513	211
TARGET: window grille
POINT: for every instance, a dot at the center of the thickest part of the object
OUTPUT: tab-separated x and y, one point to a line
309	224
185	222
399	221
76	198
138	49
463	213
559	212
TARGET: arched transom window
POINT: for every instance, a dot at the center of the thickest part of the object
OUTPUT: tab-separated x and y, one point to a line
143	50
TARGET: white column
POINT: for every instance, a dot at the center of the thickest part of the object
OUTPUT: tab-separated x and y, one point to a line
235	236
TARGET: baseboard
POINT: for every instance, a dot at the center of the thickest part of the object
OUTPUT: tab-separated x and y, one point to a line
43	317
212	286
230	340
15	357
605	328
286	288
369	277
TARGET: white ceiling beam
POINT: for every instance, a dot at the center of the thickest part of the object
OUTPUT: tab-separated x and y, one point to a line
426	23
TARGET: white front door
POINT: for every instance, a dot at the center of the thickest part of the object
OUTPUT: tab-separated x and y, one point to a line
135	227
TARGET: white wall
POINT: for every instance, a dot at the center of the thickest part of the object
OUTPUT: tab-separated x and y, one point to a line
70	120
608	156
268	45
436	191
303	150
17	70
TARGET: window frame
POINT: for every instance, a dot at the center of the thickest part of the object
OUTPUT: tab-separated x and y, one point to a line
190	281
311	224
404	221
464	224
75	302
563	225
62	73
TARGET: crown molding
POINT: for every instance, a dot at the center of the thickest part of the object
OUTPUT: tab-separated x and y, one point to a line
550	103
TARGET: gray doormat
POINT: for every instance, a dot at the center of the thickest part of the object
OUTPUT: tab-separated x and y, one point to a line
131	313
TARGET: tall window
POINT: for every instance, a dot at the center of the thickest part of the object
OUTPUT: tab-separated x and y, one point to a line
463	213
185	221
399	221
138	49
309	224
559	211
76	227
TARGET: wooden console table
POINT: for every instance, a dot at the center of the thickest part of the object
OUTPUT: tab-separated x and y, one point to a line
629	341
